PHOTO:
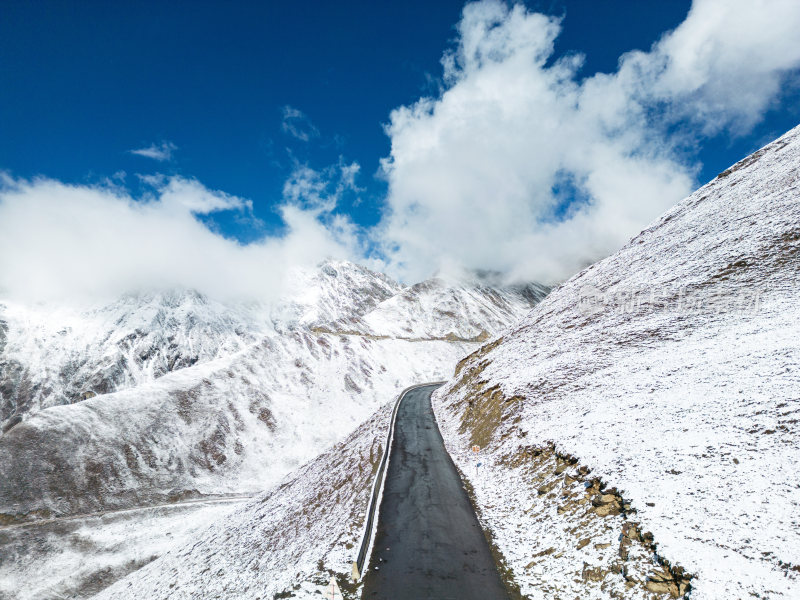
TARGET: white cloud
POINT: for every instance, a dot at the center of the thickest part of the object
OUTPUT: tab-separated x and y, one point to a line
298	125
474	174
63	242
320	190
477	175
189	194
725	64
161	152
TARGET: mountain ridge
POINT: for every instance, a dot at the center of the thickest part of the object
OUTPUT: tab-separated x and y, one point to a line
51	355
172	394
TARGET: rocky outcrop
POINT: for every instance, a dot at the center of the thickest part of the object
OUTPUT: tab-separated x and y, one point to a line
601	546
592	509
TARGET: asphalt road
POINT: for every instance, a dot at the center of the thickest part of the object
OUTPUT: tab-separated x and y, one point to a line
428	544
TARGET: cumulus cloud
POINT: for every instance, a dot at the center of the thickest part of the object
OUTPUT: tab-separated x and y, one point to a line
161	152
725	64
64	242
298	125
521	165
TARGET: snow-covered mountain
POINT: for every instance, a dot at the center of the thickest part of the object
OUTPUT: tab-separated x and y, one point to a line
178	394
166	397
650	407
53	355
334	296
461	311
637	441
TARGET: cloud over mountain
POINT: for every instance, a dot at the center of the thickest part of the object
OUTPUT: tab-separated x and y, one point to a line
522	165
60	241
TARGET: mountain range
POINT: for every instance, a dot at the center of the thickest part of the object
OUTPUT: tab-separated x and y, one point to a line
637	425
637	429
172	398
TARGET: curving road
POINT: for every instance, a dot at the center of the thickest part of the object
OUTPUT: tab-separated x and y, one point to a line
429	544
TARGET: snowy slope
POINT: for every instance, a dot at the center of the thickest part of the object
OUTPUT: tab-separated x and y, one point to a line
460	310
52	355
173	397
642	424
79	556
285	543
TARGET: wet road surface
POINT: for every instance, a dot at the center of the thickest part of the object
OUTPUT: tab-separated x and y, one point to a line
428	545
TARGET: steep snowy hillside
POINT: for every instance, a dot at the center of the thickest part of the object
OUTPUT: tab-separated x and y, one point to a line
649	407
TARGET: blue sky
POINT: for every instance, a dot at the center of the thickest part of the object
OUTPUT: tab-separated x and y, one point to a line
241	95
84	82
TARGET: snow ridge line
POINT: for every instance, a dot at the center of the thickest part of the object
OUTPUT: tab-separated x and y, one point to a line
368	537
